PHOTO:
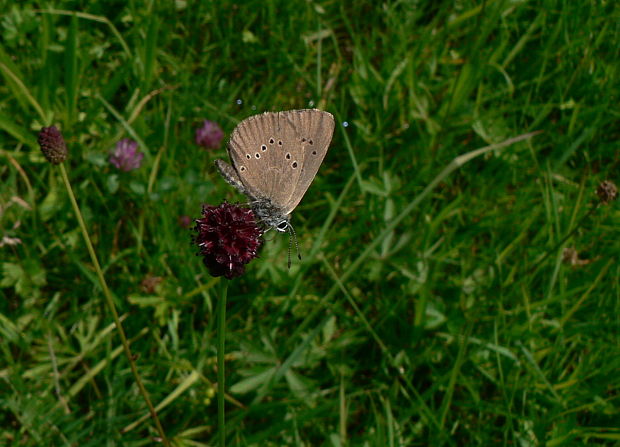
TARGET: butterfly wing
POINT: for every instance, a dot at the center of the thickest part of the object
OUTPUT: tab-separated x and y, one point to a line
267	157
314	129
232	177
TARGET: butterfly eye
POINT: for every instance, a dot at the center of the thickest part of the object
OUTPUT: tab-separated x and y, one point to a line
263	148
280	143
288	156
310	142
242	168
294	165
248	156
303	140
313	152
271	141
257	155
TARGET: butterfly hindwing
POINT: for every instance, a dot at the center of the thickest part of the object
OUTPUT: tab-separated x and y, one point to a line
266	156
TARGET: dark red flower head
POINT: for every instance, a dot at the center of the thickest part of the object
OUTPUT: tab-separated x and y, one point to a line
228	237
52	145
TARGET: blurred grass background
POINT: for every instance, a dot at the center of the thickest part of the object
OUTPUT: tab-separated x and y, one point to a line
468	325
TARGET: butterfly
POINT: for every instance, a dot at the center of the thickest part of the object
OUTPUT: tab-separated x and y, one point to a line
275	156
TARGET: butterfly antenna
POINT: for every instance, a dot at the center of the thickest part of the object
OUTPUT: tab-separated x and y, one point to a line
292	237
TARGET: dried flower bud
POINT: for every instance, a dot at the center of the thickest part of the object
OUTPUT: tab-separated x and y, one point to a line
52	145
570	256
607	192
228	237
150	284
209	135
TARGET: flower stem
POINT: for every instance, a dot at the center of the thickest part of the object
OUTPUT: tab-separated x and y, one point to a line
110	302
221	332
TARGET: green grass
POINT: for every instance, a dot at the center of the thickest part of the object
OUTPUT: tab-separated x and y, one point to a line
418	317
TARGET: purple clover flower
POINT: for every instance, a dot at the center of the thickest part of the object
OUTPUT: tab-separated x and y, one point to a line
185	221
228	237
126	156
209	135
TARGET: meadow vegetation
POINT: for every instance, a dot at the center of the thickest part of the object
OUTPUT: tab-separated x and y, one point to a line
436	304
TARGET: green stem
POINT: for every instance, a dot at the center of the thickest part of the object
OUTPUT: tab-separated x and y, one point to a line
110	302
221	332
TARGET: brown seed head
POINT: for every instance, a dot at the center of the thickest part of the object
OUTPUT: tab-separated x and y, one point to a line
607	192
52	145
